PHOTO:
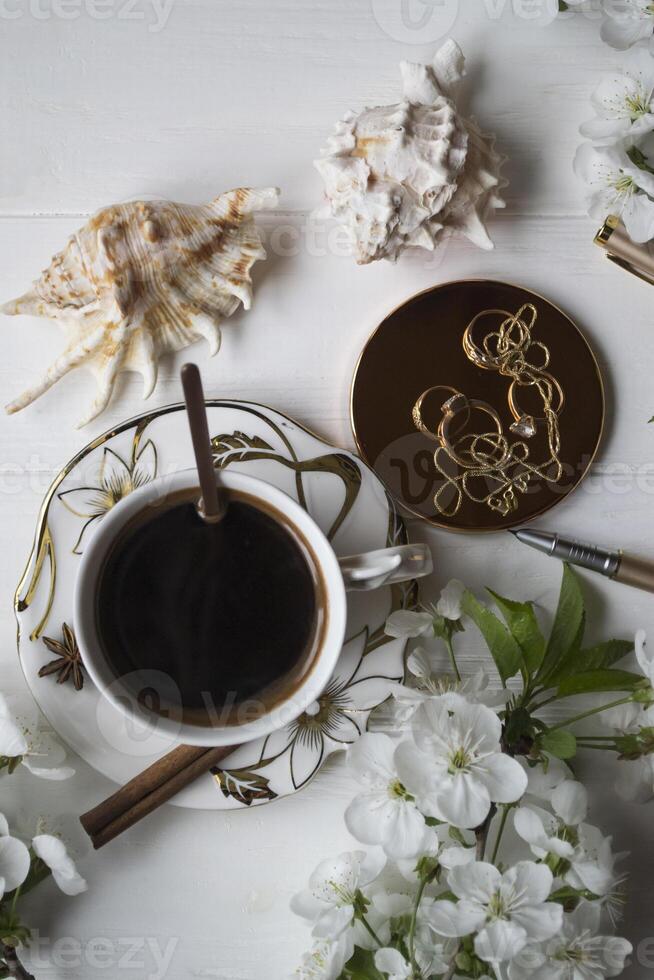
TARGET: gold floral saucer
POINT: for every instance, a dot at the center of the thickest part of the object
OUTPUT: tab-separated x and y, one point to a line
347	501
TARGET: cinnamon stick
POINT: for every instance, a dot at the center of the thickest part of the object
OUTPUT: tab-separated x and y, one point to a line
149	790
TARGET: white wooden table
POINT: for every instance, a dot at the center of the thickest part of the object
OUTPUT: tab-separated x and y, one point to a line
230	92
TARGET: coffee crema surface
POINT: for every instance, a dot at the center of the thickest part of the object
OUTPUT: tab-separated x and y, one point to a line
233	614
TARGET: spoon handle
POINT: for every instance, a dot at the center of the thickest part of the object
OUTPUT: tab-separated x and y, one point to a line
214	497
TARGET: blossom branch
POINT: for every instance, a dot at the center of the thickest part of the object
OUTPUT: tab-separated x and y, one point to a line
452	769
591	711
369	929
450	650
500	831
414	921
481	834
14	966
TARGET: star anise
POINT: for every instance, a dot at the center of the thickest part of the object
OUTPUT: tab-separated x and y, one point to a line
68	663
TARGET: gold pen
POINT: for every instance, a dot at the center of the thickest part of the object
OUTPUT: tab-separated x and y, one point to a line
619	248
628	569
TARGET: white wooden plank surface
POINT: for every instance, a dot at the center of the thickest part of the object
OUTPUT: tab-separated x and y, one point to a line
234	92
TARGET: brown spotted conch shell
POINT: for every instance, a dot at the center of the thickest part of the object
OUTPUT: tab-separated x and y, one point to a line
144	278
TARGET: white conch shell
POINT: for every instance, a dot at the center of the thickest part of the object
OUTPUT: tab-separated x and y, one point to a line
143	278
409	174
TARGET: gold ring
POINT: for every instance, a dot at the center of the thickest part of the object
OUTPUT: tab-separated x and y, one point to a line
451	409
416	413
518	413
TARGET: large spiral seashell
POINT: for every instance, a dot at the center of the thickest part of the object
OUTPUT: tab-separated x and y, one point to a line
409	174
144	278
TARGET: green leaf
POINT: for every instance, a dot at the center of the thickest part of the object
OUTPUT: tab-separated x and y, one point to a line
521	620
459	837
38	872
570	897
564	894
568	624
464	961
561	744
568	664
603	655
427	868
638	158
592	681
593	658
503	647
361	966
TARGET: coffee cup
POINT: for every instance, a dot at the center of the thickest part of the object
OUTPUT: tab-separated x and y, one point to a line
167	637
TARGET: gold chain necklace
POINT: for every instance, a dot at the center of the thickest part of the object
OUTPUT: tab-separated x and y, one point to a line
485	466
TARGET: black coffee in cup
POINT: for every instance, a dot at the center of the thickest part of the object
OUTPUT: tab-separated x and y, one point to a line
232	613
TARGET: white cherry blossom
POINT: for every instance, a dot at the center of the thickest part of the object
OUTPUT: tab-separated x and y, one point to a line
429	848
623	102
506	911
425	681
22	736
326	960
437	843
384	812
449	603
14	860
592	865
548	833
542	780
52	852
628	719
578	952
540	830
635	778
329	900
392	963
570	802
12	740
627	22
410	624
433	953
644	656
617	186
456	768
407	624
432	958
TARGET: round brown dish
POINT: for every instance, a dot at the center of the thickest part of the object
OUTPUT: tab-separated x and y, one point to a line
419	345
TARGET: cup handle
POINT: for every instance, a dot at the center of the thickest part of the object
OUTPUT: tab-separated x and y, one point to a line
362	573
